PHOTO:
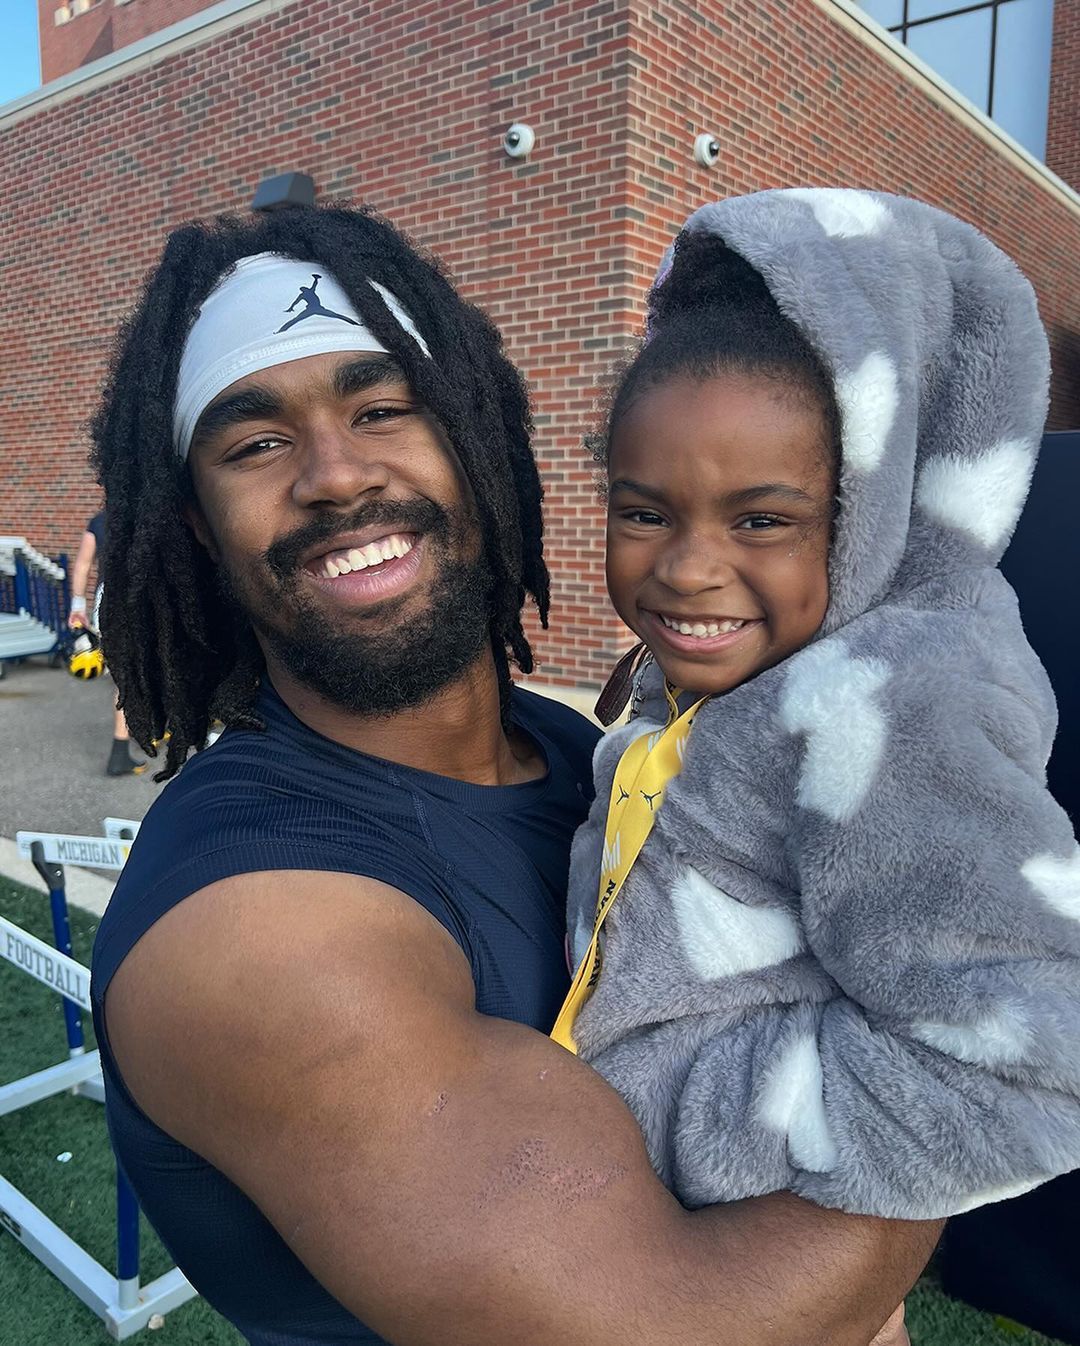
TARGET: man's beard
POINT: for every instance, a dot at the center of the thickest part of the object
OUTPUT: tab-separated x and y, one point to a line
410	659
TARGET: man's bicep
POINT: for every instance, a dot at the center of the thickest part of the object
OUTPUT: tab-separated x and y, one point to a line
258	979
443	1174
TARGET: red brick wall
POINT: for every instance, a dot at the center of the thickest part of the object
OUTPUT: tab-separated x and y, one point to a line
66	46
102	30
403	103
139	18
1063	130
796	99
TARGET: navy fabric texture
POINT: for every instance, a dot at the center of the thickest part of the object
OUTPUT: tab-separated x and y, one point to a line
97	527
490	863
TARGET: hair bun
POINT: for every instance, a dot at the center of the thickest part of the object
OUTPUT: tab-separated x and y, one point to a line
706	274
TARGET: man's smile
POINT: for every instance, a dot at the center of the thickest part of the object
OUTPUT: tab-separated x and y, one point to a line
359	573
347	557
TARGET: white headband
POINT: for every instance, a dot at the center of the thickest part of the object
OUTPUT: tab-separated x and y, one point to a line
267	311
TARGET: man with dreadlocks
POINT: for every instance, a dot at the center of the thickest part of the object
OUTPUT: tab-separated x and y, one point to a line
319	983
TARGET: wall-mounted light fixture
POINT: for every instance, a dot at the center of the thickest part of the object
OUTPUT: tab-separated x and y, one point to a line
707	149
519	140
286	189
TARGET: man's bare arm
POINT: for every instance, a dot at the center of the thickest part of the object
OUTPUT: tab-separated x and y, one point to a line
80	568
453	1179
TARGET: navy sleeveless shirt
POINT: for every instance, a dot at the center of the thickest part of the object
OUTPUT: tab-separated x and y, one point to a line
489	862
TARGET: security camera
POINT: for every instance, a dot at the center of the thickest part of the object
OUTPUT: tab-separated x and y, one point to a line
519	140
706	149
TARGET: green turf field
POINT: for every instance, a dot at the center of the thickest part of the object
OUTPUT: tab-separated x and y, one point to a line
36	1310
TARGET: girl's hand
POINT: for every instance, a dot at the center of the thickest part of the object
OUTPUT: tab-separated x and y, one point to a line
894	1333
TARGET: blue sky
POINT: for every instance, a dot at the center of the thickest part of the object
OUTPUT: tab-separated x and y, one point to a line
20	67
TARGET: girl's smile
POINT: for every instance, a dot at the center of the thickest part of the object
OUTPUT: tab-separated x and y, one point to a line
719	512
696	635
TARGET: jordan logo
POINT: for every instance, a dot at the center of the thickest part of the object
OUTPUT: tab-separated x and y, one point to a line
313	306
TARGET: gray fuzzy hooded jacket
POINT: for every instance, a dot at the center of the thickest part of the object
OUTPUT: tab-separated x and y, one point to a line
847	961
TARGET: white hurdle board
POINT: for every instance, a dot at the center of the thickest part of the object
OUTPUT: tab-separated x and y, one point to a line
62	848
45	964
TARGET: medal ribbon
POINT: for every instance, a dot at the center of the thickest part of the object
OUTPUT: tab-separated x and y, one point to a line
637	792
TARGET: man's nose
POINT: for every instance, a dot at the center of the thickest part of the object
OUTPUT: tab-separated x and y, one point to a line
336	469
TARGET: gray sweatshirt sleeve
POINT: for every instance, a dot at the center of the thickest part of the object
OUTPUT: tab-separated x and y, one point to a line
940	890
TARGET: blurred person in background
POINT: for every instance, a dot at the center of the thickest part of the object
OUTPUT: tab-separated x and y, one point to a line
121	762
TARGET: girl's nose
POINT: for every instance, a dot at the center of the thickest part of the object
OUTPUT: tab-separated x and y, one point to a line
335	469
689	566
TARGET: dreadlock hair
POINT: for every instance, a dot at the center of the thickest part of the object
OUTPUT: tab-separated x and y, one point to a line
713	314
174	645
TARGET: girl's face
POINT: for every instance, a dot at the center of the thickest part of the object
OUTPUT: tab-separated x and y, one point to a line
719	512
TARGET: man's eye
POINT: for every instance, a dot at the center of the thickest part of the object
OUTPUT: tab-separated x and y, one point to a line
380	415
252	448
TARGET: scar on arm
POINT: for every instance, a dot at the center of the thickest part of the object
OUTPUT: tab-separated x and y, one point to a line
531	1169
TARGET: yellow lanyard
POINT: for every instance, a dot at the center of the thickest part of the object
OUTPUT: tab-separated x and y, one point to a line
637	792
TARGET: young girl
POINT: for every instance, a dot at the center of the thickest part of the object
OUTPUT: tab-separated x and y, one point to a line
840	940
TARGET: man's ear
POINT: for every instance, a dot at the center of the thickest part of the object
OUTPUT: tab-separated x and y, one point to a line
196	521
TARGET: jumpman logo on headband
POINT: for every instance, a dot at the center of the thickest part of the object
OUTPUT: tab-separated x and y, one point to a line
313	306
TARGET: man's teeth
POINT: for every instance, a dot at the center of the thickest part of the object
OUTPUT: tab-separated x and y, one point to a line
702	629
359	558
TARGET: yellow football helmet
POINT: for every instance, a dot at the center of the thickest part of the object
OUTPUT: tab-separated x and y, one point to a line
86	659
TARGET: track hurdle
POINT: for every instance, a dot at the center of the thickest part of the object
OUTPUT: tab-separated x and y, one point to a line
119	1300
121	829
34	598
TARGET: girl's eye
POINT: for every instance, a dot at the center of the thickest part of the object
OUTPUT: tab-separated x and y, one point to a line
643	516
757	523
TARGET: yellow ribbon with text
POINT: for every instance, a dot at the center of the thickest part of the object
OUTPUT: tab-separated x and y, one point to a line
637	792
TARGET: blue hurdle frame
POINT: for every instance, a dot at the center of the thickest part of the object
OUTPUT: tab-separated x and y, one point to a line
119	1300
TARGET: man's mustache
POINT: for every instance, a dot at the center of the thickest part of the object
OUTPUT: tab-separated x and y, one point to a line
401	516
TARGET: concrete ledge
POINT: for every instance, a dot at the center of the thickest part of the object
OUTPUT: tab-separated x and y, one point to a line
177	37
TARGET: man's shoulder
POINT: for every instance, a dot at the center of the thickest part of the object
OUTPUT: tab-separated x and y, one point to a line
248	805
255	784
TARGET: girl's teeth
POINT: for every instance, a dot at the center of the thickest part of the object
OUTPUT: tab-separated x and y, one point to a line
702	630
